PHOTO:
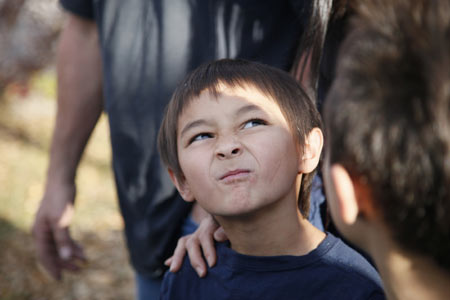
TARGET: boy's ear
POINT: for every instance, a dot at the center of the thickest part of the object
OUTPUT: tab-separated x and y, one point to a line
182	187
311	151
353	198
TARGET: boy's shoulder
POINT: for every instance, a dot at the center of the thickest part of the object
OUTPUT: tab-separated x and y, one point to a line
185	284
332	271
347	264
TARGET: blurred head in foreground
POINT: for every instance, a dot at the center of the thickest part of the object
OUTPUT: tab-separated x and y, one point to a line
387	120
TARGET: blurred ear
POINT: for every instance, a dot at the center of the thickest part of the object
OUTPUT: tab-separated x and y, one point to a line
353	197
182	187
345	197
311	152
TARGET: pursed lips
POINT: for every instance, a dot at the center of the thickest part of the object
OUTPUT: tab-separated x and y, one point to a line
233	175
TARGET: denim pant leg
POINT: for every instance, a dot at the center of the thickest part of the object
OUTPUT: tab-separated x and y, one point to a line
148	288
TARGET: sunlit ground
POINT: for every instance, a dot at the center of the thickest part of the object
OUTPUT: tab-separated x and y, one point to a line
25	131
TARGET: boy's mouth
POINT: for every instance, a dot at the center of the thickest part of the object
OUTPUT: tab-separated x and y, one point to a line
234	174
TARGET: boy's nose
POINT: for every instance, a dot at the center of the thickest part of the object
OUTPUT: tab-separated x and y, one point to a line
228	148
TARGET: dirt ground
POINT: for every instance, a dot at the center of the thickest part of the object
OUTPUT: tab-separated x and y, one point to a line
26	121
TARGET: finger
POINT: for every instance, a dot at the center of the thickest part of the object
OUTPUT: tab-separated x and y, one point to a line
209	250
205	235
195	255
220	235
77	260
60	227
49	259
71	255
168	262
207	243
47	253
178	255
64	243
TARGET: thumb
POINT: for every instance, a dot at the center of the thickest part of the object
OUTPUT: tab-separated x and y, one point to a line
63	243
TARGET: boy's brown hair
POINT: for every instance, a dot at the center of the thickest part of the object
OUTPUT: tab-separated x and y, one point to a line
388	118
296	106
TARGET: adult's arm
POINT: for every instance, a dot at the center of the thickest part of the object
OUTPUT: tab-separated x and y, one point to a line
79	107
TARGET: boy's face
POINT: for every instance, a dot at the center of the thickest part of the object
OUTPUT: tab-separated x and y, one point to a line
237	152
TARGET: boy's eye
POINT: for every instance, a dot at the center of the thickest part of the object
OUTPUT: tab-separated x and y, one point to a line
253	123
200	136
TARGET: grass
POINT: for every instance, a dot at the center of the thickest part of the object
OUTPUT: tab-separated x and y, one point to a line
25	130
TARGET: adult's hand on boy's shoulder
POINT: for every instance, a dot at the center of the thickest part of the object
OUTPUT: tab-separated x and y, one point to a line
199	246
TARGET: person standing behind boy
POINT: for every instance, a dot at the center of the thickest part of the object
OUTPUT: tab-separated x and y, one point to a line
237	138
126	57
387	161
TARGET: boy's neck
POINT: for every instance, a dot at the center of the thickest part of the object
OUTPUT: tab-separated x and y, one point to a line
277	230
407	275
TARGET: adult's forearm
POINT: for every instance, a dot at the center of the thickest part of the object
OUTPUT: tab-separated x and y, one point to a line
79	97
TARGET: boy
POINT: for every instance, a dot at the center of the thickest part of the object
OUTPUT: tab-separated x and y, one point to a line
243	140
387	166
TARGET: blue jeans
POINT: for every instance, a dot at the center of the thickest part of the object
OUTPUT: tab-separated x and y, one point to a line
147	288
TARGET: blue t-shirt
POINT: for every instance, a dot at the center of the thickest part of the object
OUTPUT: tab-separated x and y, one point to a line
331	271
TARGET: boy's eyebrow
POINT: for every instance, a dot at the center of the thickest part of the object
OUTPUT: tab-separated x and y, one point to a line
247	108
193	124
240	111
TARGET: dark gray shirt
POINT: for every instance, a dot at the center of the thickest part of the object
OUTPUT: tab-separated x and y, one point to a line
147	48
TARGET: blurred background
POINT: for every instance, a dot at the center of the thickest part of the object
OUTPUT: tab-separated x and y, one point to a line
28	35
